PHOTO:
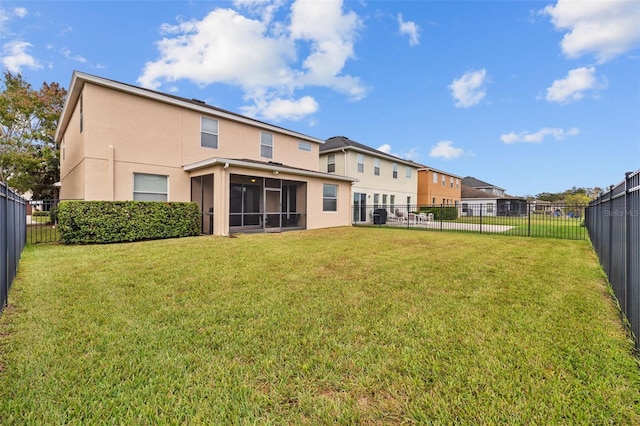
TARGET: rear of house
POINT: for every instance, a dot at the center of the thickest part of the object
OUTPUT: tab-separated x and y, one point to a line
122	142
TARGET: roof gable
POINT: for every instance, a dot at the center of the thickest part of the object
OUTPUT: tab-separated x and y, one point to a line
338	143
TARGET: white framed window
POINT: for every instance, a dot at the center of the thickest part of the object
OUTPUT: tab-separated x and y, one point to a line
329	198
304	146
208	133
266	145
435	177
376	201
148	187
384	201
360	163
451	182
331	163
376	166
457	183
444	180
392	201
408	199
489	208
394	171
407	171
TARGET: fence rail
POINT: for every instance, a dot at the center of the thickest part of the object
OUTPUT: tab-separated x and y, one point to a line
13	232
613	221
519	218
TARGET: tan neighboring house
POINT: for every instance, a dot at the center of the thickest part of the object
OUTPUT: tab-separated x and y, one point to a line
381	180
436	187
122	142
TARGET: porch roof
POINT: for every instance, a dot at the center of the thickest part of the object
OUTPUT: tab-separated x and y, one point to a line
268	166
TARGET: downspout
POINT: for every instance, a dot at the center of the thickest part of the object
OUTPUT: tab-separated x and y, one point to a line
224	191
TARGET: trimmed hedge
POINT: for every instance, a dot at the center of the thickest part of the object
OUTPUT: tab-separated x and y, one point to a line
441	212
101	222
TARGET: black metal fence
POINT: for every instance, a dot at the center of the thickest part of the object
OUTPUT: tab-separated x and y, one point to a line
42	221
13	211
515	217
613	221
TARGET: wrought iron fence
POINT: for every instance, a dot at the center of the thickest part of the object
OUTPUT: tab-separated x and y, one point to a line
13	230
42	221
512	217
613	220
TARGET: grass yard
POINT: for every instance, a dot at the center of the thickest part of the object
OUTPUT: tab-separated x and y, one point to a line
338	326
535	226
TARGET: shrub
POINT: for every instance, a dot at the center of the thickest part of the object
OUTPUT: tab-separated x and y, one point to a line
37	213
441	212
84	222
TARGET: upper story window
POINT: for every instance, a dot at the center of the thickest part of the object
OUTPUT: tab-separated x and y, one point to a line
444	180
435	177
304	146
376	166
457	183
407	171
394	170
208	133
266	145
331	163
147	187
451	182
360	163
329	198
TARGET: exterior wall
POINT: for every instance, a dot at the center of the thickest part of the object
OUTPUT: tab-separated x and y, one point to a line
123	133
428	190
371	184
478	206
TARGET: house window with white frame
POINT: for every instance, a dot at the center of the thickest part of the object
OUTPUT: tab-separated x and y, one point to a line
384	201
392	201
376	201
304	146
376	166
407	171
329	198
148	187
208	133
451	182
331	163
457	183
408	199
489	208
394	168
266	145
435	177
444	180
360	163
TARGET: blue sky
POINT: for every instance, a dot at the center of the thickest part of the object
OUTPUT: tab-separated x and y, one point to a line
532	96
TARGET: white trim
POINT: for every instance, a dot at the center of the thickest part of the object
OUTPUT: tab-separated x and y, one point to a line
269	167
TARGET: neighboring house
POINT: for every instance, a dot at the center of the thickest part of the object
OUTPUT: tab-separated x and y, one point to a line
380	180
477	202
484	186
436	187
122	142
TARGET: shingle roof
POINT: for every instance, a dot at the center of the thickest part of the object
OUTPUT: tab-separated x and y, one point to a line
337	143
469	192
477	183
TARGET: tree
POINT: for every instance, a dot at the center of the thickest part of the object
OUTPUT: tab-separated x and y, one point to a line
29	156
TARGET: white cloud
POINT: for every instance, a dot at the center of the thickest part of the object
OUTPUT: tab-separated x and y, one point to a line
261	56
539	136
446	150
20	12
15	56
411	29
386	148
67	54
603	28
468	90
574	85
287	109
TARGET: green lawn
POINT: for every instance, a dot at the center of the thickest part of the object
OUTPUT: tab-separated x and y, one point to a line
338	326
535	226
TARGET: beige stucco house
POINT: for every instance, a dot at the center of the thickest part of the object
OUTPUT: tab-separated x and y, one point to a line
381	180
122	142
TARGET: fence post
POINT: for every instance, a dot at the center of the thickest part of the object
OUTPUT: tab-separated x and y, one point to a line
627	251
481	207
528	219
610	204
